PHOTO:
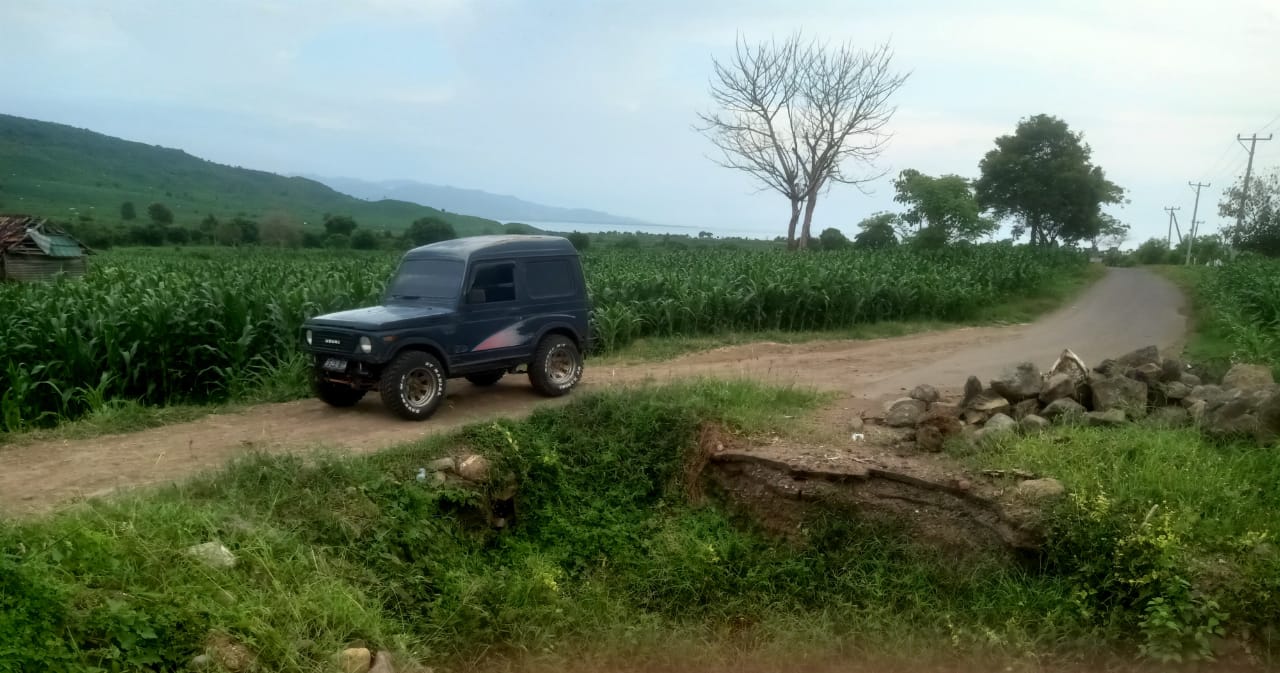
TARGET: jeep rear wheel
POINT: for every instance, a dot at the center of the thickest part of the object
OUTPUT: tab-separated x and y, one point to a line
412	386
336	394
556	366
486	378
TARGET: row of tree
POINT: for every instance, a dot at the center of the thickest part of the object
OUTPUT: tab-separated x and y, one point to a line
799	116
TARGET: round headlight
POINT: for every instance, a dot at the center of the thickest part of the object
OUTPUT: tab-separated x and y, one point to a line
308	337
366	346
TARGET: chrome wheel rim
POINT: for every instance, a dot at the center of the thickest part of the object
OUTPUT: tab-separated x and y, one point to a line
419	387
561	366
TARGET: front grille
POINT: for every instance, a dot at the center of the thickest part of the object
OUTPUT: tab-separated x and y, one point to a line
332	342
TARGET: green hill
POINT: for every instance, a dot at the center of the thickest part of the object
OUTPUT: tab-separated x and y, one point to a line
64	173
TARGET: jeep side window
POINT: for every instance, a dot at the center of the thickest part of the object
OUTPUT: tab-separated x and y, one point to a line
549	279
493	283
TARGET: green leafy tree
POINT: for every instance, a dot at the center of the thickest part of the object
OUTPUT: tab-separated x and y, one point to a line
428	230
279	230
1259	228
339	224
160	214
833	239
1041	177
1111	233
228	233
209	224
1152	251
579	240
942	210
177	235
127	211
364	240
877	232
248	229
337	241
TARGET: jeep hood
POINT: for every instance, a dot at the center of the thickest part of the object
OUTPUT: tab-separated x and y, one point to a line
381	317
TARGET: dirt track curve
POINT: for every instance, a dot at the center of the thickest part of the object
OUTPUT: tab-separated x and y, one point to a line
1127	309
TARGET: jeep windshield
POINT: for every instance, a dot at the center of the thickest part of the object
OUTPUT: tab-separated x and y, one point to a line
426	280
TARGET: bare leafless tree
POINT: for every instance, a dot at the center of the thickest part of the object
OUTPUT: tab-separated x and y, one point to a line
798	116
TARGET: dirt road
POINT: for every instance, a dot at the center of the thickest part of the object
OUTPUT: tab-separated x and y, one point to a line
1127	309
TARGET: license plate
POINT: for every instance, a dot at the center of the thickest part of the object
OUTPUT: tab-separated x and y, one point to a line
335	364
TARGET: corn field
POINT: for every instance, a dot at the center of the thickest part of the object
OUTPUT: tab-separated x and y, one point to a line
196	326
1244	297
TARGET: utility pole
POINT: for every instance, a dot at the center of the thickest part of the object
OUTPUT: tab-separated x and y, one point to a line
1169	239
1248	171
1191	235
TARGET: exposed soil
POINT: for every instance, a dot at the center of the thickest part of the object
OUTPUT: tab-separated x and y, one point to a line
1127	309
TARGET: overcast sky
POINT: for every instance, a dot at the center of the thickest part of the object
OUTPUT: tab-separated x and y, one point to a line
591	104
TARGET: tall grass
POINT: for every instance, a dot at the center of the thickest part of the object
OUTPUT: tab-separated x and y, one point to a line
1241	302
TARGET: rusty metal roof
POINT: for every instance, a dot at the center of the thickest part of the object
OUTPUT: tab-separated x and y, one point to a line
52	241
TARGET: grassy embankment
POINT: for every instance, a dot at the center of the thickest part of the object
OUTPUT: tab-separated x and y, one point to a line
1165	543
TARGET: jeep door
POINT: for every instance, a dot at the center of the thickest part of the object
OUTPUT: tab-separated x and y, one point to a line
491	315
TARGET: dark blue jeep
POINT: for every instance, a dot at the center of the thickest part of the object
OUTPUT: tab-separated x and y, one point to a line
476	308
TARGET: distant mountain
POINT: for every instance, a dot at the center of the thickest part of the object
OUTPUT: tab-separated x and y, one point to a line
470	201
60	171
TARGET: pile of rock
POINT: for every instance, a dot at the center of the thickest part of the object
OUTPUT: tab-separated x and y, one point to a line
1140	385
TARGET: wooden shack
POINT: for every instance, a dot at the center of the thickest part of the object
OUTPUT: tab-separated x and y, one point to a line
32	249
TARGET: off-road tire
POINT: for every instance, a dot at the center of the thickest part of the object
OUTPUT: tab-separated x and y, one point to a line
412	386
336	394
483	379
556	366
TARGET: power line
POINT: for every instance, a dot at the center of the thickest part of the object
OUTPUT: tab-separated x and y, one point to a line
1172	218
1191	233
1274	120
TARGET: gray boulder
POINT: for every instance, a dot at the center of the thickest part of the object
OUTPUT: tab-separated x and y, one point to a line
972	417
1248	376
1147	355
1020	383
1000	423
1032	424
1025	408
1171	369
972	389
1119	392
1149	373
1108	418
925	393
1197	410
1268	413
1063	410
474	468
1236	416
213	554
989	402
1176	390
1190	379
904	413
1211	394
1037	490
1059	386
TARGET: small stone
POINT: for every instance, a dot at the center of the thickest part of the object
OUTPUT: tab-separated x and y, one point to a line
1025	408
929	438
1176	390
1190	379
1109	418
1063	410
974	417
1197	409
1000	423
1108	367
1149	373
1139	357
438	478
904	413
1046	488
1268	420
972	388
925	393
1032	424
355	660
445	464
1247	376
856	424
1169	417
201	661
1020	383
382	663
474	468
963	484
1211	394
943	409
213	554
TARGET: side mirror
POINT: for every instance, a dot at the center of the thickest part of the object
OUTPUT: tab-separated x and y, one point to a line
475	296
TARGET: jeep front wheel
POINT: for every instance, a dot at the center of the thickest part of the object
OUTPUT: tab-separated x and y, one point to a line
556	366
486	378
336	394
412	386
